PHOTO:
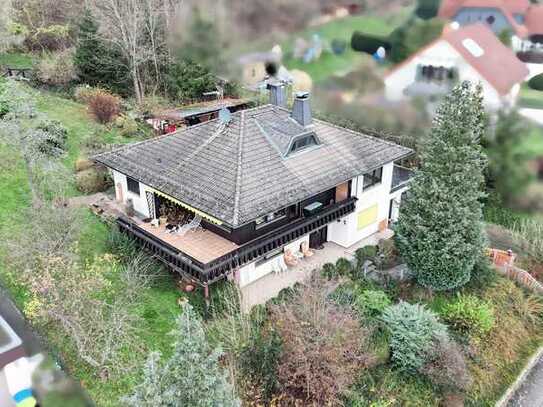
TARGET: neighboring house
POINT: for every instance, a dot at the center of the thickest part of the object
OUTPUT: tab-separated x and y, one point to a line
257	192
519	17
471	53
166	121
254	68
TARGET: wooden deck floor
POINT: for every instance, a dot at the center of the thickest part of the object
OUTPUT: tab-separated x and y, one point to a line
200	244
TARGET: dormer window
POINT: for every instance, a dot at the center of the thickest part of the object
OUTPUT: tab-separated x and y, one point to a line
303	143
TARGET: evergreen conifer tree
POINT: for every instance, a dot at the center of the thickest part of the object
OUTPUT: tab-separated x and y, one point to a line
98	64
191	377
440	231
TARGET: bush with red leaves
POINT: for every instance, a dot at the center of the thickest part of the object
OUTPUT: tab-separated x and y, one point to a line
323	346
104	106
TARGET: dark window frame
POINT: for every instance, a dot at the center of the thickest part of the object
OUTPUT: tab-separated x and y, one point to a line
270	218
372	179
303	143
133	186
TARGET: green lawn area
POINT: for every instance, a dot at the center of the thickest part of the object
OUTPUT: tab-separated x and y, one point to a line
530	98
330	64
533	146
16	60
158	307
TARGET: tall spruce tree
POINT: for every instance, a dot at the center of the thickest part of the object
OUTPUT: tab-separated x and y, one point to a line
191	377
440	231
96	62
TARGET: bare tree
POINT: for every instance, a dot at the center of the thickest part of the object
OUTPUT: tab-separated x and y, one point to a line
137	29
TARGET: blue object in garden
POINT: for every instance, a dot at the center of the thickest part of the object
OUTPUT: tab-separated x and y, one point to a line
380	54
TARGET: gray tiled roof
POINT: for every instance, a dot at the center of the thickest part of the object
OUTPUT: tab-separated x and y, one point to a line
235	174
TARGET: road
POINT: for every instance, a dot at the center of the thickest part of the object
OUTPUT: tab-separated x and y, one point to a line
530	393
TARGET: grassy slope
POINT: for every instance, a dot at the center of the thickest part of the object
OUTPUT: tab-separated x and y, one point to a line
330	64
158	307
16	60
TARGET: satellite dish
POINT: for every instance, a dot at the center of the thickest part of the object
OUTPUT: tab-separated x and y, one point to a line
224	115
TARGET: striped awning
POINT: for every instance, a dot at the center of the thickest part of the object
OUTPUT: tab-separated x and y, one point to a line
188	207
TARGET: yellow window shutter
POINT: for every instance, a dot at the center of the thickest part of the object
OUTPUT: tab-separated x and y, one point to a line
368	216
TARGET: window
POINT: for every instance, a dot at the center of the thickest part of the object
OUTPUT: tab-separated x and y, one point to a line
303	143
133	185
491	20
272	217
268	257
373	178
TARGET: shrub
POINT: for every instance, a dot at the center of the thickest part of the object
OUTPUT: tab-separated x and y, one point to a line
372	303
368	43
329	271
446	367
338	46
91	181
536	82
323	346
84	93
343	267
58	134
82	164
468	314
259	359
363	254
413	329
193	373
56	69
104	106
388	254
128	127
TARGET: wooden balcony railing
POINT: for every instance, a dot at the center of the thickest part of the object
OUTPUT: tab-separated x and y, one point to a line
219	268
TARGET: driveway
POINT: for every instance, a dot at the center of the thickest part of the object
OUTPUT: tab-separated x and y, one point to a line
535	115
530	393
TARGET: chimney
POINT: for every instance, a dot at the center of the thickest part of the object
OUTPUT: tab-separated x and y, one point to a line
278	94
301	111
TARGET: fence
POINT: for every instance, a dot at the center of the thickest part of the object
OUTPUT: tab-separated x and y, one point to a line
504	264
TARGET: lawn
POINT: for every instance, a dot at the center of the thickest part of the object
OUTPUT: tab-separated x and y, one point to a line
530	98
330	64
16	60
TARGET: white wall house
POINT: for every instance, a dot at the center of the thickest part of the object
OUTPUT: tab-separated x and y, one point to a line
471	53
376	205
128	189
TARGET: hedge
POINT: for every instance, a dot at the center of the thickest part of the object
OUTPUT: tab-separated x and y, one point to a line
536	82
368	43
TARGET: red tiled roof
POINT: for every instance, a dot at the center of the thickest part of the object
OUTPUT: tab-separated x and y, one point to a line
449	9
499	65
534	20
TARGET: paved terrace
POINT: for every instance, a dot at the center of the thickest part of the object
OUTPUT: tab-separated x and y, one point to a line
267	287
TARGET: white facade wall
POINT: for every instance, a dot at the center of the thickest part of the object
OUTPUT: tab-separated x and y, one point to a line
444	54
139	201
346	232
250	273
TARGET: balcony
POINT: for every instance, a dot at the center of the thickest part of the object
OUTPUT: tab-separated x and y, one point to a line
189	256
401	177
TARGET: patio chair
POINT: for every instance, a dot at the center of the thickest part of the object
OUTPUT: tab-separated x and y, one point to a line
194	223
290	259
304	248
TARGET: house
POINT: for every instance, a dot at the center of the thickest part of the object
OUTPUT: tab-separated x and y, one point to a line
471	53
521	18
167	121
257	192
258	67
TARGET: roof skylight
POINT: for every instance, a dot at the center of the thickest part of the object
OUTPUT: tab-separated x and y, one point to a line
473	48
